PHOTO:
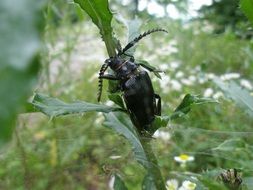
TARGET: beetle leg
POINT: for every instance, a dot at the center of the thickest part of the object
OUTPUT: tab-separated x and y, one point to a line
100	81
101	77
157	105
109	77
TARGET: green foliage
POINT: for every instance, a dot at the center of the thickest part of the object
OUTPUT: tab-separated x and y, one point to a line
101	16
118	183
182	110
148	183
247	7
241	96
230	145
188	101
142	150
76	152
224	14
20	42
53	107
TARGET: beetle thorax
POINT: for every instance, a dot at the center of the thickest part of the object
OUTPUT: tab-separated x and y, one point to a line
122	67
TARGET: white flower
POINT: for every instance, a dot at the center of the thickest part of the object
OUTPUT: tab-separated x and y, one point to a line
230	76
208	92
179	74
183	158
164	67
217	95
188	185
165	136
187	82
246	84
115	157
164	83
175	85
210	76
171	184
192	78
201	80
174	64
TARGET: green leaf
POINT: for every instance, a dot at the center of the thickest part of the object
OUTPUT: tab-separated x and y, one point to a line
101	16
118	183
183	109
20	42
54	107
141	145
231	145
148	183
117	99
211	183
117	122
186	104
149	67
160	121
241	96
247	8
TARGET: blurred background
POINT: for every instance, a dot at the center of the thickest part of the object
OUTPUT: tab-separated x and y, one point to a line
206	39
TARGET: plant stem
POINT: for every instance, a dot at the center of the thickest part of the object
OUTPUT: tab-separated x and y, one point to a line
23	161
109	43
152	167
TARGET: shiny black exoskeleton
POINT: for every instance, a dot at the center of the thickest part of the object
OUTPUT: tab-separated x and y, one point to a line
138	93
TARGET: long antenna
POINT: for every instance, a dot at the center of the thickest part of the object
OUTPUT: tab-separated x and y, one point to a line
135	40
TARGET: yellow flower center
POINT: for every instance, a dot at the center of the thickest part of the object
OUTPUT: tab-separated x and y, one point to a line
184	157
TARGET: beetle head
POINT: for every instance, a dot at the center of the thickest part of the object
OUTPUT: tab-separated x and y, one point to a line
113	62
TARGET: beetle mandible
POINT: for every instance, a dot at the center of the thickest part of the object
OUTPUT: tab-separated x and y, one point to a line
140	99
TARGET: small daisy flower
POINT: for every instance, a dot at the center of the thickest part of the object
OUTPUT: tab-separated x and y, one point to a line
179	74
188	185
229	76
115	157
217	95
165	136
175	85
246	84
171	184
183	158
208	92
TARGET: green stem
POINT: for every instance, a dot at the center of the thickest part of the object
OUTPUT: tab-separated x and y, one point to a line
152	167
109	43
23	156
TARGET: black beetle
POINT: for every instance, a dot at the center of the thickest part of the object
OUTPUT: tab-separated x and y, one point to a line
138	93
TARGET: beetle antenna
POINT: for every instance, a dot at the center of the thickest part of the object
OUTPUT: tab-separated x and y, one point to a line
100	80
137	39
